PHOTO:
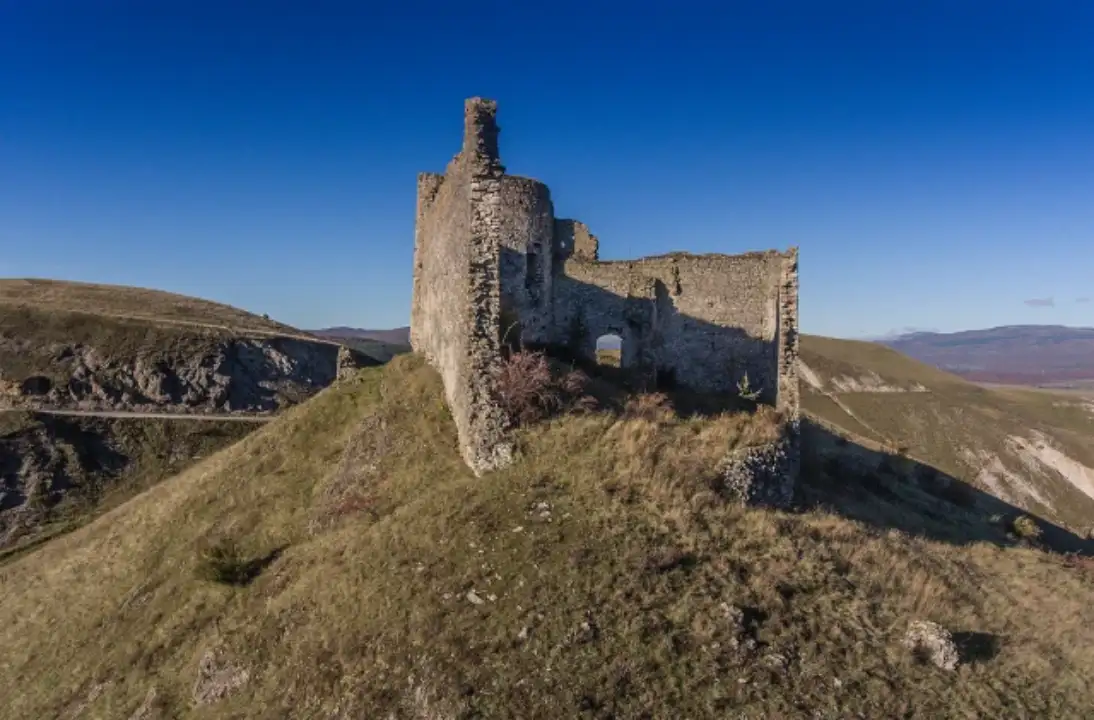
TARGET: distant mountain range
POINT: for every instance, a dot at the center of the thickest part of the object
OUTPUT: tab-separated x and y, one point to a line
395	336
1013	354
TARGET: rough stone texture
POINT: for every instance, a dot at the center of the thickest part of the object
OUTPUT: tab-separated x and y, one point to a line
789	399
221	375
493	265
573	239
762	474
349	362
933	642
456	310
526	234
702	320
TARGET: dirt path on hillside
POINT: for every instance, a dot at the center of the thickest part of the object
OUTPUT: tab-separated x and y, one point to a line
140	415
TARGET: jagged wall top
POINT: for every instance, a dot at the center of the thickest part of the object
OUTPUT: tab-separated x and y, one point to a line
480	132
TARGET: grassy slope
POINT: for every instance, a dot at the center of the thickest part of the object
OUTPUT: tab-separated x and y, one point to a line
941	426
31	339
134	303
604	561
103	462
40	317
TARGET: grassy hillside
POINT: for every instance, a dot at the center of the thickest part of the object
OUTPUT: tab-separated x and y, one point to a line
73	345
1029	448
109	349
123	302
57	472
342	562
36	341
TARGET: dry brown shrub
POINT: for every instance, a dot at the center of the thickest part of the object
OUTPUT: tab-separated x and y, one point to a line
654	407
529	390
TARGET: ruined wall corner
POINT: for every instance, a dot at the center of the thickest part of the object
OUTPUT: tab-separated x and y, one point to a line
573	239
789	400
480	136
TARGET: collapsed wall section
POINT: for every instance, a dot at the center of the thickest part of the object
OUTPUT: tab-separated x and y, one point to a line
456	309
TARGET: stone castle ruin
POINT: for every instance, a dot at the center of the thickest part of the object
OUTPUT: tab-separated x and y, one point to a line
491	259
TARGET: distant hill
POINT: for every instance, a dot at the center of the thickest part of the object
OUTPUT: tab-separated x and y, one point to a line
395	336
1026	446
115	348
1014	354
116	354
381	345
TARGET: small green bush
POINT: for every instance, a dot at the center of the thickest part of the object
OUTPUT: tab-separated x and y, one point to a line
1026	528
745	390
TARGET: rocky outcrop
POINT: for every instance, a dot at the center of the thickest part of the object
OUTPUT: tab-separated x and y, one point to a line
54	467
932	643
220	375
763	474
349	362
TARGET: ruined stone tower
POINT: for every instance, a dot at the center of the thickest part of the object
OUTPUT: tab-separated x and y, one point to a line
491	259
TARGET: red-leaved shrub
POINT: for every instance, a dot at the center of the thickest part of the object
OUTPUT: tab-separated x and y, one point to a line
528	390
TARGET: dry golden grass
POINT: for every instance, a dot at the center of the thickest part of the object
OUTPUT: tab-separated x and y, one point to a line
594	578
102	461
954	422
609	357
133	303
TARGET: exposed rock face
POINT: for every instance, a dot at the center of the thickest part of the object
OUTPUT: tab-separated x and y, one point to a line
763	474
933	643
222	375
55	464
349	362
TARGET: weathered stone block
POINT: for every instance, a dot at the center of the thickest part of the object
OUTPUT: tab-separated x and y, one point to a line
763	474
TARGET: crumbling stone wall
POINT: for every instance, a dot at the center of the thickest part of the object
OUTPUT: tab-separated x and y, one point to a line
789	399
705	320
456	310
527	236
492	264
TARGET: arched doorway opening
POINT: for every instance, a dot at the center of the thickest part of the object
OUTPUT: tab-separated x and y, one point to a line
609	350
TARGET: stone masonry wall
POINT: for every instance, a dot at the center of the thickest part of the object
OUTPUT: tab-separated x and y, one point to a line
706	319
789	399
456	311
526	235
595	299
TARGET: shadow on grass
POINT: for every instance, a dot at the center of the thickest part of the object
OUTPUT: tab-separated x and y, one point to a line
892	491
974	647
612	387
223	562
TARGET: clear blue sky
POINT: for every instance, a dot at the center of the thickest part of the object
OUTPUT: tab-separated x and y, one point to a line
934	160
